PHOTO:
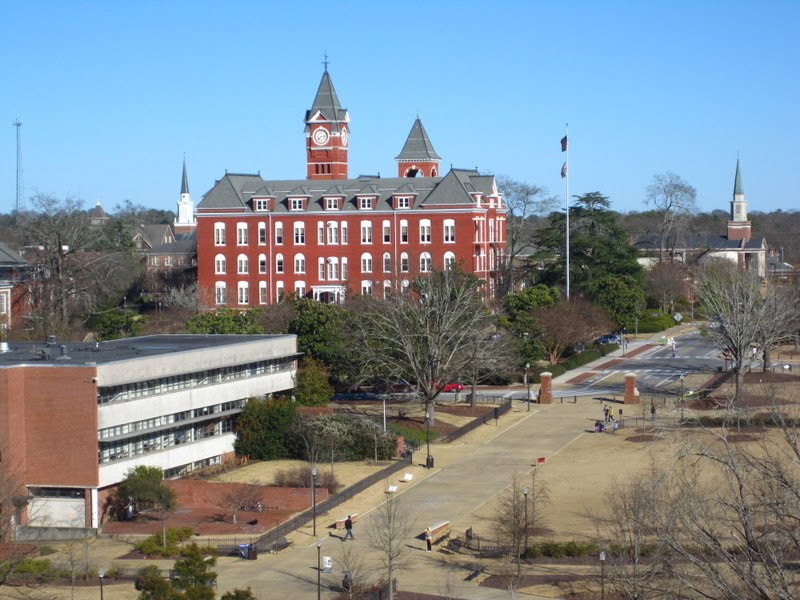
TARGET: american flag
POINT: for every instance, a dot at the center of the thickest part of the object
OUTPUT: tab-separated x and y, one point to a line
564	171
564	144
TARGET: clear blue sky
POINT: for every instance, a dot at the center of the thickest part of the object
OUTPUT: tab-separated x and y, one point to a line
112	94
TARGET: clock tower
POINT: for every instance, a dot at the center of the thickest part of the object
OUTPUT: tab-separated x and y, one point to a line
327	129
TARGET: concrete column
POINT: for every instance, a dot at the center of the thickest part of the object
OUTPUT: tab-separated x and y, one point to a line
546	389
631	393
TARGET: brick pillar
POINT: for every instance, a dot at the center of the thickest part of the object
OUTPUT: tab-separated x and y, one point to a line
546	389
631	393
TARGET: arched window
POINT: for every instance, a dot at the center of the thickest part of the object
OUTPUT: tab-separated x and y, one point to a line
424	262
219	234
262	234
278	232
279	263
404	266
219	264
403	231
220	293
242	264
262	263
299	263
244	293
279	291
366	288
344	268
262	292
366	263
300	289
449	260
387	232
387	262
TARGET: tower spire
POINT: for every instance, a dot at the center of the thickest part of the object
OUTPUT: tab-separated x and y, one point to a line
418	158
326	132
185	221
739	227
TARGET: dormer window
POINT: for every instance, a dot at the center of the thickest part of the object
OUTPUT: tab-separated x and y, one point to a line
402	202
296	203
365	203
261	204
331	204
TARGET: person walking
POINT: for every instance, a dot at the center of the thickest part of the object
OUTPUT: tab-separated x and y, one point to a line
428	539
653	414
348	527
605	413
610	415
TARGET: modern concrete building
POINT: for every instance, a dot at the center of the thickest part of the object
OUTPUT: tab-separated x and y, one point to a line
76	417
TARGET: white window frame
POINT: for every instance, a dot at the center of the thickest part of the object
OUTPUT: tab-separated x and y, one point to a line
321	234
449	231
344	233
280	291
404	263
261	205
262	292
279	264
321	269
296	204
387	262
425	231
279	232
425	262
243	293
220	293
299	264
365	203
333	232
403	231
366	232
299	235
241	234
331	204
219	234
220	265
386	232
366	288
262	263
262	234
299	289
344	269
449	260
366	263
403	202
242	264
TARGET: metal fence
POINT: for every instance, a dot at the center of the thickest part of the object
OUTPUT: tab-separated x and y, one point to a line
490	414
266	542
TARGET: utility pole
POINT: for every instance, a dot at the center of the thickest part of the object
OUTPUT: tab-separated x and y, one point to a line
18	124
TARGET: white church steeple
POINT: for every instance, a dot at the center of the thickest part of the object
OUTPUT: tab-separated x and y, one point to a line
185	221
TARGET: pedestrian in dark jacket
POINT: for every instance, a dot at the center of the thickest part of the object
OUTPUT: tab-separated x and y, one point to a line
348	526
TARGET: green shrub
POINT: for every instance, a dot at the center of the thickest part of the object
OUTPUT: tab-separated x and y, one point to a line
413	435
553	549
40	568
652	321
152	546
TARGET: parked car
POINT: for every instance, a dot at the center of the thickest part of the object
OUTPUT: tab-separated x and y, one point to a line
611	338
453	387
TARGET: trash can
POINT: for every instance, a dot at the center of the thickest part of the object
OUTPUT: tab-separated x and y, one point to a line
252	552
429	462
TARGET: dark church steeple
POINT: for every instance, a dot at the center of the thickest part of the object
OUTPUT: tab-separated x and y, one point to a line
739	227
418	158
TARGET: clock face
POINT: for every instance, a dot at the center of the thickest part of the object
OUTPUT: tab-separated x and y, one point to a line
344	136
320	136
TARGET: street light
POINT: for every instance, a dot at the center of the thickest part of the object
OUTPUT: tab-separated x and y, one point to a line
319	569
429	459
101	573
602	575
525	491
528	384
681	397
314	499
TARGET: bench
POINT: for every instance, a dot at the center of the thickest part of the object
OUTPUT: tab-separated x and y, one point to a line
339	524
408	477
439	532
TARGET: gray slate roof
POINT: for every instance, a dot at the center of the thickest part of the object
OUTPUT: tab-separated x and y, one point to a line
184	180
9	258
418	146
738	189
698	242
234	191
326	102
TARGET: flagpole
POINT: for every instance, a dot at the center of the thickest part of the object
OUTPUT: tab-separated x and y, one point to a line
566	204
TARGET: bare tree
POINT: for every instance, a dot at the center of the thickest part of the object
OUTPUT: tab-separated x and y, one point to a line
675	201
239	497
354	570
188	297
497	353
743	315
666	284
569	323
523	201
389	534
75	265
14	509
510	518
426	335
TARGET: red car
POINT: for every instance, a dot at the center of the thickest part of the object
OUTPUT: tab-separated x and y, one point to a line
453	387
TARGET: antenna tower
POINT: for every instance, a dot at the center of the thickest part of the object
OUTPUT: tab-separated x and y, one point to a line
18	124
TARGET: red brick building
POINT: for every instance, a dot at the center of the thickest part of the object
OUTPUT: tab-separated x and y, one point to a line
327	236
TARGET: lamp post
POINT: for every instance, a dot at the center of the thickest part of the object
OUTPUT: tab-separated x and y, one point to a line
528	384
101	573
602	575
319	569
525	491
428	438
314	499
681	397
